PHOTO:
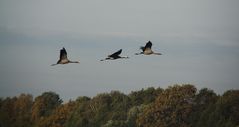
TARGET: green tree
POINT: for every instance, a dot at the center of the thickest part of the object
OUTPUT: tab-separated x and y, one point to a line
80	115
115	123
59	116
223	113
144	96
44	105
133	113
230	106
110	106
172	108
97	111
204	103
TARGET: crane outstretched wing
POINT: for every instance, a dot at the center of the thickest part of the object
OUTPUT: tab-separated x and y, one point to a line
116	53
63	54
148	45
142	48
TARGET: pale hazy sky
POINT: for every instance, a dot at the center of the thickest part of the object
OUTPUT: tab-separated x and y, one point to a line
198	39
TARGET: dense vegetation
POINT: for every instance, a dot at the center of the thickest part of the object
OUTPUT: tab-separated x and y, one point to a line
176	106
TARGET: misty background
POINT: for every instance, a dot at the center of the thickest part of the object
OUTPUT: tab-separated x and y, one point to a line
198	39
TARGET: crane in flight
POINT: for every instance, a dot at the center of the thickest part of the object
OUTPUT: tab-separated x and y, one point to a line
63	58
146	50
115	56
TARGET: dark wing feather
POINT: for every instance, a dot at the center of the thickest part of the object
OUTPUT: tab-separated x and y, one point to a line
63	54
148	45
142	48
116	53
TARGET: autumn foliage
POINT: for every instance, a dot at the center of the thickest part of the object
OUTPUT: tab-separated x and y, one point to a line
175	106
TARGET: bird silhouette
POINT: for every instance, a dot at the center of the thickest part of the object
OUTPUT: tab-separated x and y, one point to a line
63	58
115	56
146	50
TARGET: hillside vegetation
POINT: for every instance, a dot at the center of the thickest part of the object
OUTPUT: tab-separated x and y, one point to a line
175	106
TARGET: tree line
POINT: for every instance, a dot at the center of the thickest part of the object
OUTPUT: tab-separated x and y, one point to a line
178	105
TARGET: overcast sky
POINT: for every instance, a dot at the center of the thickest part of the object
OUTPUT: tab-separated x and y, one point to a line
198	39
